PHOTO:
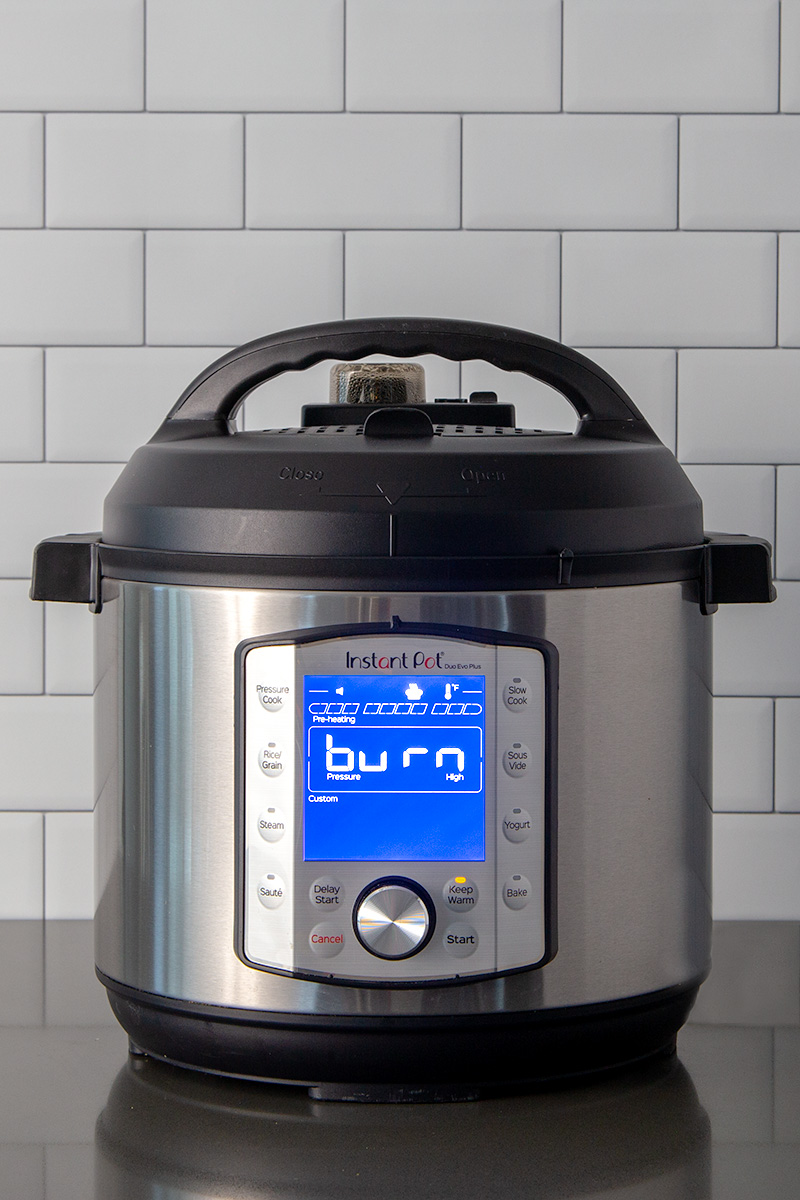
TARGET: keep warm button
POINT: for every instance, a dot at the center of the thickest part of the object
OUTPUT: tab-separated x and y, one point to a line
460	940
516	760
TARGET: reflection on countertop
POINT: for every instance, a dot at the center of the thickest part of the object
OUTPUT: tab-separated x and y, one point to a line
81	1120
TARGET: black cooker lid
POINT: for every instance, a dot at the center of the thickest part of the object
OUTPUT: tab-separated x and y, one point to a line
431	496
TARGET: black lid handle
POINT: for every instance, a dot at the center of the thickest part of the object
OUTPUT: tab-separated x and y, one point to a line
214	396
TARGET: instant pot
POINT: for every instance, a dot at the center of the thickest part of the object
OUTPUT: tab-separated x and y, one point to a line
402	724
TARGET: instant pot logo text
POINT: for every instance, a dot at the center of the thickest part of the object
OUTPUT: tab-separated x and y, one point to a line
419	660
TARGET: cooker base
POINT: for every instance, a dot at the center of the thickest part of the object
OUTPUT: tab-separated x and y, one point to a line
411	1058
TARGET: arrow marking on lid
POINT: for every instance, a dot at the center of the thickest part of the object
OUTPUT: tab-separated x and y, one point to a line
392	495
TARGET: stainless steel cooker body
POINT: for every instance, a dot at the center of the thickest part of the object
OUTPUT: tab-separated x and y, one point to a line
631	885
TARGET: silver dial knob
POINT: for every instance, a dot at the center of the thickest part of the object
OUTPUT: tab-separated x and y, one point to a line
392	919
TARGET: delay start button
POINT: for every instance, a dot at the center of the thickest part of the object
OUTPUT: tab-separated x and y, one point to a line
517	695
326	940
326	893
460	893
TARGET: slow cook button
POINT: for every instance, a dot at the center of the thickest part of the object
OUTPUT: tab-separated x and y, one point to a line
271	891
326	940
326	893
460	940
516	892
273	696
270	760
460	893
517	695
271	824
516	760
517	825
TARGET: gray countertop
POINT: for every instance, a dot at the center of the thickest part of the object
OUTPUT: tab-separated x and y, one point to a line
79	1120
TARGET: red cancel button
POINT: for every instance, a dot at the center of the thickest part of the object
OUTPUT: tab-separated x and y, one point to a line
326	940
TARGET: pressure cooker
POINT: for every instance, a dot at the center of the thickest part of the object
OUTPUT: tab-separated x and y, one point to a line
402	724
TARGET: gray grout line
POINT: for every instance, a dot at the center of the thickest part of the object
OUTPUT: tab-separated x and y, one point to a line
144	56
774	750
777	289
244	172
300	229
344	56
404	112
561	78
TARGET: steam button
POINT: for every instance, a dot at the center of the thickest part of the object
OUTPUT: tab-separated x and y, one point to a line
517	695
271	760
517	825
272	824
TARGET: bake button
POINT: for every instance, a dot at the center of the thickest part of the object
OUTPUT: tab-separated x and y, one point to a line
516	892
517	825
460	893
271	891
271	760
326	893
326	940
460	940
271	824
516	760
273	696
517	695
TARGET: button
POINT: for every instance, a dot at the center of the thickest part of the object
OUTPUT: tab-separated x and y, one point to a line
516	760
326	940
460	893
517	825
517	695
460	940
326	892
271	891
392	920
516	892
271	824
270	759
273	696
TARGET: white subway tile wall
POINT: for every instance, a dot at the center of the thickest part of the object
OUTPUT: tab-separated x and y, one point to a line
179	176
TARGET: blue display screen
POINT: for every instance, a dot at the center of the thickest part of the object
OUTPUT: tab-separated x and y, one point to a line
394	768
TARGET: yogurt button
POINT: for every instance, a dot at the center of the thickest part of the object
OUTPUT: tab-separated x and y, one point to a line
460	940
516	760
271	891
326	940
517	695
516	892
270	759
271	824
326	893
517	825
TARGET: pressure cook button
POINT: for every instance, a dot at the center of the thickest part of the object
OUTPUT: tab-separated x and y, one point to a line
326	940
516	760
460	893
271	891
273	696
517	695
517	825
271	824
271	760
460	940
516	892
326	893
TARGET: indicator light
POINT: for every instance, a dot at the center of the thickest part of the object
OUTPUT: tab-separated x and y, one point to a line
461	879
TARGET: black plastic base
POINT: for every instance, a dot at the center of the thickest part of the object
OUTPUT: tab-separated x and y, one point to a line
403	1058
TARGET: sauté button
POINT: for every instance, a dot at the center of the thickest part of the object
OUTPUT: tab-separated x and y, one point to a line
273	696
326	940
271	824
517	695
460	893
271	891
517	825
270	759
326	893
516	892
516	760
460	940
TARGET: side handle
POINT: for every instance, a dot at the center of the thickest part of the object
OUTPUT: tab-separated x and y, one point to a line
68	569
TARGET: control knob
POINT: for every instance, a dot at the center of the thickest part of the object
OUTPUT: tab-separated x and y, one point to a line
394	918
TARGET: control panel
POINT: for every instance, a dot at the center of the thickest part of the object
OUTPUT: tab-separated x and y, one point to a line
393	806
